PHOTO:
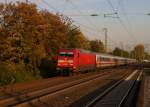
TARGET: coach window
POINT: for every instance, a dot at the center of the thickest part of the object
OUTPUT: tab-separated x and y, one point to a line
101	58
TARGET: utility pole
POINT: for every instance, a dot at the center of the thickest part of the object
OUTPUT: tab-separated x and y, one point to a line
122	48
6	2
27	1
105	33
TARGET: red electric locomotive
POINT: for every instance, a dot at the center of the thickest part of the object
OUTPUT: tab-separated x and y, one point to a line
75	60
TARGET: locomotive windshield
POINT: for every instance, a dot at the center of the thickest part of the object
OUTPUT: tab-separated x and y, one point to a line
69	54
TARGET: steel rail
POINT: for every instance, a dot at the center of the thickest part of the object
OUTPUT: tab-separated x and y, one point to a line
42	92
129	90
103	94
100	97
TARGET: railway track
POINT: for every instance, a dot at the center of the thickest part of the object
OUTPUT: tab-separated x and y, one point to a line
22	88
117	95
34	96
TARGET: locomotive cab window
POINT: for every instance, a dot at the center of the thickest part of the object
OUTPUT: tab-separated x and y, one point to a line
69	54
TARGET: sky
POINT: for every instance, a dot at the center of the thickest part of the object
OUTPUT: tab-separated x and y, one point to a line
129	27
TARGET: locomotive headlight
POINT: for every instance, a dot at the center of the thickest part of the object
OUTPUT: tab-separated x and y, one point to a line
60	60
58	64
70	61
57	68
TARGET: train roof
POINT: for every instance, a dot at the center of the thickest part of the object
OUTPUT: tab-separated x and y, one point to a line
81	50
99	54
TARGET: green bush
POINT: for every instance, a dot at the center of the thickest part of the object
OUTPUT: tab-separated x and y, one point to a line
15	73
6	76
47	68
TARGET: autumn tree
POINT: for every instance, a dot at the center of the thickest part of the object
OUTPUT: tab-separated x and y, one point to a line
82	41
57	34
29	36
24	29
132	54
26	35
76	39
120	52
146	56
97	46
138	52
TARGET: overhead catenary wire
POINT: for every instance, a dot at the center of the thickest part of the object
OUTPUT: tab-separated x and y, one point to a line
120	20
49	5
119	4
88	29
78	10
85	27
126	17
91	29
94	25
111	5
115	11
91	23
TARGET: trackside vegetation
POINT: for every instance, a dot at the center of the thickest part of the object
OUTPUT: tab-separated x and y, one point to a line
30	39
